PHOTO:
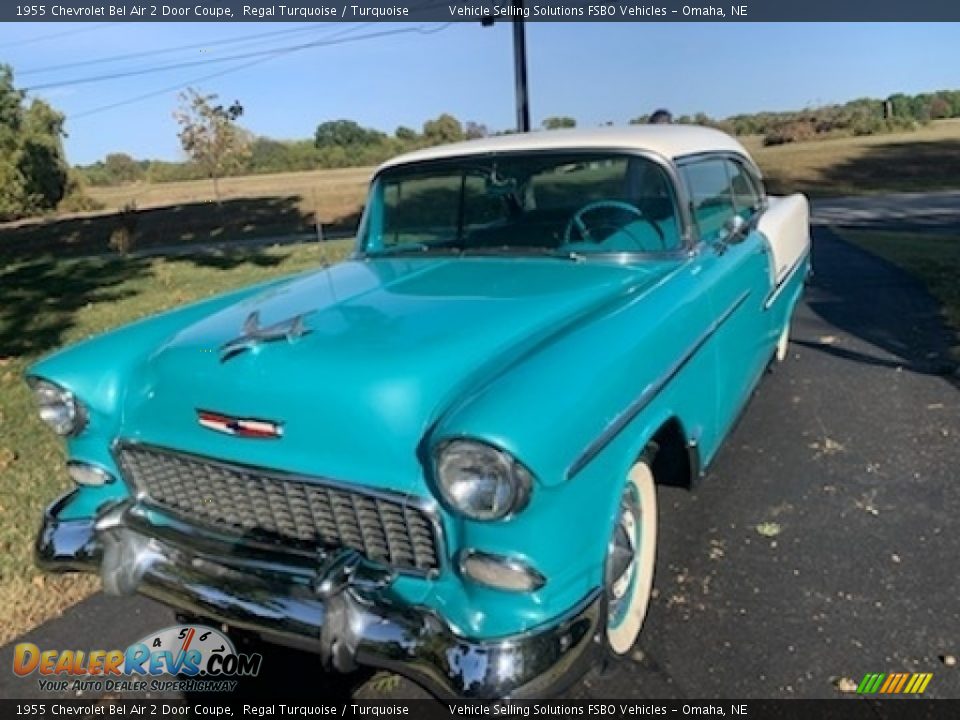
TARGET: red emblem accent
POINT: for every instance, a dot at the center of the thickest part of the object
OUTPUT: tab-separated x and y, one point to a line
240	427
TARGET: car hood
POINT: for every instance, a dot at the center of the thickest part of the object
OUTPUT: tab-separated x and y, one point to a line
387	347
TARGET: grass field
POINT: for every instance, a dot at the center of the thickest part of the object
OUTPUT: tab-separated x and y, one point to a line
933	258
46	303
288	203
926	159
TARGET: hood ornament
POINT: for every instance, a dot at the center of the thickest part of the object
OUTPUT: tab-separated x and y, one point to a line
253	334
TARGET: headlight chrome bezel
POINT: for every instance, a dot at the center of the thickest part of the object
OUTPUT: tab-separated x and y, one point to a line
520	479
48	396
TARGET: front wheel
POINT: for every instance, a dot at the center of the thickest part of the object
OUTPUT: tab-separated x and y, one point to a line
631	556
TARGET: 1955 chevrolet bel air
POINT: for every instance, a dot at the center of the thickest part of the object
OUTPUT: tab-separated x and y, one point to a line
441	456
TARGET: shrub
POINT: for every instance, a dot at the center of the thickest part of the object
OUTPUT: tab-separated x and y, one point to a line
790	132
75	198
123	239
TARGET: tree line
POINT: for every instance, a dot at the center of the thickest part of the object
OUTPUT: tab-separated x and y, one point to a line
346	143
35	177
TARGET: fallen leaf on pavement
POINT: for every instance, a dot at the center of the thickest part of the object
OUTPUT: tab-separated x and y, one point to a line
769	529
845	685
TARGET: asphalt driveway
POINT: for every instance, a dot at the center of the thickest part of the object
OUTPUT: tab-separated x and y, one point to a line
821	545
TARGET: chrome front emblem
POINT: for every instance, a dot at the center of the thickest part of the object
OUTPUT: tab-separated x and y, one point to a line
241	427
253	334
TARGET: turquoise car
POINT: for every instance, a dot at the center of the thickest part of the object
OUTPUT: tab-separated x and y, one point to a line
441	456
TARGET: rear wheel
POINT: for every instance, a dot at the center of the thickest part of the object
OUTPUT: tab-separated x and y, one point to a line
631	556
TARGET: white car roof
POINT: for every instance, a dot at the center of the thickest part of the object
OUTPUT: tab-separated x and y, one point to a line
670	141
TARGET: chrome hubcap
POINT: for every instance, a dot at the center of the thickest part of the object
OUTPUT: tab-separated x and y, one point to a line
622	558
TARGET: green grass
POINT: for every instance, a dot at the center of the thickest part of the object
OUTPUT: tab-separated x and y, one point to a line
46	303
932	258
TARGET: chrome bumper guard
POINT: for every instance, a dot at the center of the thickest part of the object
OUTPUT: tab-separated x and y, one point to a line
337	605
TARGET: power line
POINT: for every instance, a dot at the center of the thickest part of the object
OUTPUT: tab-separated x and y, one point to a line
195	63
276	53
52	36
243	39
191	63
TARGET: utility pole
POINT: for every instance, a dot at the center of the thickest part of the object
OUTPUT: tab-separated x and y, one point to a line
519	64
520	68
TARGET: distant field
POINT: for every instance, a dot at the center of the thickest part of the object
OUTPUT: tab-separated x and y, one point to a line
338	192
926	159
288	203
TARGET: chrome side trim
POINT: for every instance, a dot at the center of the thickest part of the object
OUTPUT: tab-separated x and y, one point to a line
775	292
428	507
650	392
348	622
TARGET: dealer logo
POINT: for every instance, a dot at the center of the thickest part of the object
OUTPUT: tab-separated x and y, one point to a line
203	658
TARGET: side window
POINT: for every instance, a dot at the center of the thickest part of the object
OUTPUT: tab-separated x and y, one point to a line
710	195
746	195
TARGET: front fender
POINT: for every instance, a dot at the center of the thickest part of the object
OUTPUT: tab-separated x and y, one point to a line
99	371
548	410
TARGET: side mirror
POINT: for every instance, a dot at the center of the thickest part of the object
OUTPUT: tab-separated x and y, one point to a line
734	229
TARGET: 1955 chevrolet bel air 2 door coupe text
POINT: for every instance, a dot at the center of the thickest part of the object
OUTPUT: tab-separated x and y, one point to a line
440	457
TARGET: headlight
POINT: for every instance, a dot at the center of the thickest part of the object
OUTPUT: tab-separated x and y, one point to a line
58	407
480	481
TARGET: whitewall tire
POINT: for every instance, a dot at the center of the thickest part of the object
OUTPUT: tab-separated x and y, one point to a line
783	343
631	556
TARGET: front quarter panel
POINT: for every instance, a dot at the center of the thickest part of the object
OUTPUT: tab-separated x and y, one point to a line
99	372
546	412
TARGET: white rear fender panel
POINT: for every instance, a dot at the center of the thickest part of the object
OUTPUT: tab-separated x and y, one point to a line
786	225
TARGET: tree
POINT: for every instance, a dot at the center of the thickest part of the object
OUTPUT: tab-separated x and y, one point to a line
405	134
120	168
558	122
475	130
33	170
209	134
444	129
345	134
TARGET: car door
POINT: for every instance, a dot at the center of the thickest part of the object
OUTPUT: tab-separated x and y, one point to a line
736	269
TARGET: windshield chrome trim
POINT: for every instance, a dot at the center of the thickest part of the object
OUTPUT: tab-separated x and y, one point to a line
688	232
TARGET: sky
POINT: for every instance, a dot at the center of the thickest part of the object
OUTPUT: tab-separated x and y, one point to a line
595	72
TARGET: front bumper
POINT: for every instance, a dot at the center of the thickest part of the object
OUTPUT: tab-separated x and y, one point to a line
337	606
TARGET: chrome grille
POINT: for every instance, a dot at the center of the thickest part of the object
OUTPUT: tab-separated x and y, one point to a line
273	508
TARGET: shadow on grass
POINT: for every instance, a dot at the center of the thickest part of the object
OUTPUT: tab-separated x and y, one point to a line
897	167
901	166
872	299
44	281
39	299
185	225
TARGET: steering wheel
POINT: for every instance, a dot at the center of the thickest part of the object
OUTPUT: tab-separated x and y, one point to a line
576	220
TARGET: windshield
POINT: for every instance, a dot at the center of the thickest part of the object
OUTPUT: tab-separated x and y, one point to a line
566	203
